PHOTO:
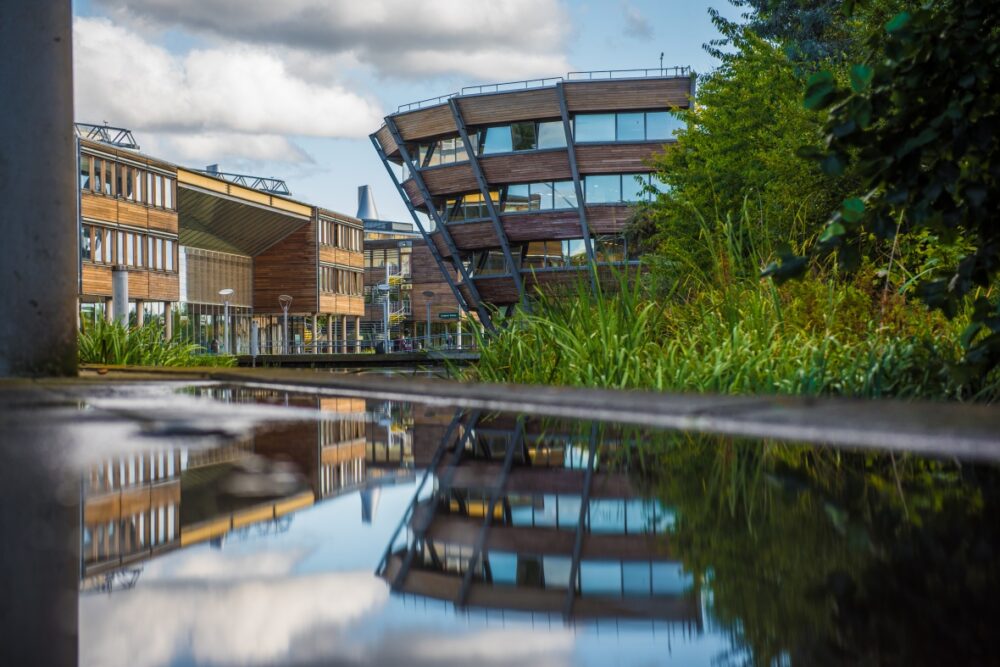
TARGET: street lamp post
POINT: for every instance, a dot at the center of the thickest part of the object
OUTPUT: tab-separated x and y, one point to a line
225	294
285	301
427	334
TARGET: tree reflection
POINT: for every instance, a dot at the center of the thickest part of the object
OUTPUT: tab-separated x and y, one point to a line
814	556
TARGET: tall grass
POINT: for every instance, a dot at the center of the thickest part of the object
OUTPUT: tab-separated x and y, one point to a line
113	343
722	330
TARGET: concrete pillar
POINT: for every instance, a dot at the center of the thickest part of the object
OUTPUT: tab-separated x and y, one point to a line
458	330
357	334
140	317
109	309
329	334
168	320
343	334
315	334
119	292
40	255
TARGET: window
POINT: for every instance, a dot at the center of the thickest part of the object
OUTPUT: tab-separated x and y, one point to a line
168	193
523	136
129	249
631	127
158	191
138	185
84	171
634	187
106	257
551	135
541	196
150	252
169	255
595	127
158	255
120	248
565	194
85	242
98	175
609	248
518	199
497	140
139	243
603	189
662	125
108	177
574	252
149	188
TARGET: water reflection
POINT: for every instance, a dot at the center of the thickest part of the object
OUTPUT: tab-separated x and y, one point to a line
377	532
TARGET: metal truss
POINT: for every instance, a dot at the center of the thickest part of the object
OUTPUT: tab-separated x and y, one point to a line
274	186
581	205
484	189
456	260
114	136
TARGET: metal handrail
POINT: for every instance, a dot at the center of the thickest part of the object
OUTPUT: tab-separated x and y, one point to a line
649	73
511	85
429	102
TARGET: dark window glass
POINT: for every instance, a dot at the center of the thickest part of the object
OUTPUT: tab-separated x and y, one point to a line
84	172
603	189
631	127
497	140
523	136
551	135
108	177
85	245
574	251
120	248
130	249
659	185
98	175
170	255
633	187
565	193
609	248
138	184
595	127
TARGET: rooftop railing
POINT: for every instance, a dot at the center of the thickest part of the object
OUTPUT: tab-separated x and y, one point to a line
511	85
114	136
650	73
274	186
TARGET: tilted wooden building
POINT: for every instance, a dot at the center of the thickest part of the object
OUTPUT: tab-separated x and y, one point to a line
527	182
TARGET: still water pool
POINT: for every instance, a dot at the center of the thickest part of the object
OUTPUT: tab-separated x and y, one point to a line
368	532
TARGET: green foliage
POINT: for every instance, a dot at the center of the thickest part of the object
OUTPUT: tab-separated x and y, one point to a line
112	343
918	125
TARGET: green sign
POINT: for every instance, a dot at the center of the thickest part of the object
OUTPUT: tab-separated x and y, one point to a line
448	316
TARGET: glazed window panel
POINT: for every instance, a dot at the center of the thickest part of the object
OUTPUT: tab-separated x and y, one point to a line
120	248
130	249
109	177
85	161
662	125
518	198
86	242
595	127
159	254
609	248
523	136
574	252
98	175
497	140
634	187
168	193
541	196
551	135
149	188
139	178
631	127
604	189
108	239
158	191
169	250
565	195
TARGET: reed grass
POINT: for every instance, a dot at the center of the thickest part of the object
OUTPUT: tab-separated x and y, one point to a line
112	343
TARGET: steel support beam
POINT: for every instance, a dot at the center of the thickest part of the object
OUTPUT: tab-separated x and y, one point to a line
581	205
574	569
498	490
484	189
456	260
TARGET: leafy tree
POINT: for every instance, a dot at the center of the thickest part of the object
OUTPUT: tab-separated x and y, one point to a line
918	125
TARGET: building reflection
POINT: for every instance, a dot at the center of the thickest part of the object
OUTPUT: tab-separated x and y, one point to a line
145	504
521	516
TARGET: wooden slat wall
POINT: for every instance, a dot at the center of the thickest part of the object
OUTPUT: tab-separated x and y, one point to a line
385	140
423	268
332	255
497	290
542	226
443	301
162	286
474	235
615	158
288	267
606	219
341	304
413	192
99	207
165	221
425	123
442	247
209	271
96	279
540	104
527	167
627	94
451	179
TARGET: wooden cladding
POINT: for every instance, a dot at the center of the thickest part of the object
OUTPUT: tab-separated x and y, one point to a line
342	257
385	140
450	179
615	158
470	235
542	226
439	242
413	192
527	167
341	304
208	271
110	209
272	277
442	302
142	284
423	268
540	104
425	123
500	290
627	94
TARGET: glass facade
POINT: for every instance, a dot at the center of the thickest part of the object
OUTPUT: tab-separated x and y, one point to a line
621	188
101	245
630	126
119	179
523	136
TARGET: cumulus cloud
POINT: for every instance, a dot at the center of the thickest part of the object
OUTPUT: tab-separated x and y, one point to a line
227	101
480	38
637	26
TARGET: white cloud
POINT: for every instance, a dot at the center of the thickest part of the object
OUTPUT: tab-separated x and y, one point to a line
231	100
488	39
636	25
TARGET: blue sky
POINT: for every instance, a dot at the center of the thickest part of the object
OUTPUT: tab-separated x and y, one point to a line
291	89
